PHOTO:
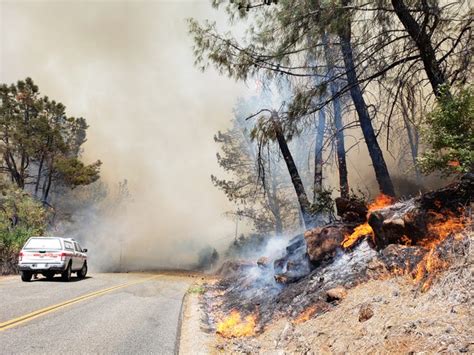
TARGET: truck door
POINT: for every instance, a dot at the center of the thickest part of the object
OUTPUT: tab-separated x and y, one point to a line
77	259
82	256
69	247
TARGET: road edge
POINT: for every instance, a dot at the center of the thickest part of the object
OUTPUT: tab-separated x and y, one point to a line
177	343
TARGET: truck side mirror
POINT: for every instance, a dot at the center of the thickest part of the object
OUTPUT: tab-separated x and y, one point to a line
84	250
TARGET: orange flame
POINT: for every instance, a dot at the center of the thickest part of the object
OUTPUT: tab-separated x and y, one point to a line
359	232
443	225
306	315
234	327
381	201
427	269
440	227
365	229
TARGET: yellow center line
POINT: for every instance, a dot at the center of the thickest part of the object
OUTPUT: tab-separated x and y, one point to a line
41	312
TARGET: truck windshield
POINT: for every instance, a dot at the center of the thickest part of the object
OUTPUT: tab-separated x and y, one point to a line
43	244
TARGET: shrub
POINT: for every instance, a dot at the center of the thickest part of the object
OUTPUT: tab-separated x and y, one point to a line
21	217
449	134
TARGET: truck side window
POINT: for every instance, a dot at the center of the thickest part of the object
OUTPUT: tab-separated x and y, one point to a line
68	245
78	248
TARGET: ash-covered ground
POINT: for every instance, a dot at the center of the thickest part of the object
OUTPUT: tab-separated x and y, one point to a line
350	292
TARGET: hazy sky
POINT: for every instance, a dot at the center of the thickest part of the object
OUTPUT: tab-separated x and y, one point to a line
127	67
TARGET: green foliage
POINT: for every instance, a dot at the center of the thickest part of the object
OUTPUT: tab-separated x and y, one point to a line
21	217
324	203
74	173
449	134
41	144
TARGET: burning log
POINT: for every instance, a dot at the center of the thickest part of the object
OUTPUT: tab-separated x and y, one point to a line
364	230
396	224
412	225
414	222
323	243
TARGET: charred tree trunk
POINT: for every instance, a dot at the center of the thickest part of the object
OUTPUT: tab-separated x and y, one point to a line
423	42
340	147
24	162
376	155
12	167
336	103
48	182
38	177
318	155
303	201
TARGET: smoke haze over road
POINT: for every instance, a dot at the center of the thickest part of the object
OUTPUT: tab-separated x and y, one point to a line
127	67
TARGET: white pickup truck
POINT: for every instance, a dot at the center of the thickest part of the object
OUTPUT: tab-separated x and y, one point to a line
50	256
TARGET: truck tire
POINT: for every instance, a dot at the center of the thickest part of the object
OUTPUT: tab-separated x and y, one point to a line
83	272
26	276
66	274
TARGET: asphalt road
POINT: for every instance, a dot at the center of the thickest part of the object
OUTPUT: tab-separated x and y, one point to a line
105	313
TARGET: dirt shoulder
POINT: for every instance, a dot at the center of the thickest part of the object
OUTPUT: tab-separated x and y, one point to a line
195	337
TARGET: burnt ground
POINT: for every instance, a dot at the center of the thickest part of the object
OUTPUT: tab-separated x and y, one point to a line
253	290
317	277
401	315
404	320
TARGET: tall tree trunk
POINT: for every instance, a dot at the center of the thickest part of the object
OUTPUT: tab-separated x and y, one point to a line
318	155
380	167
423	42
48	181
340	148
412	133
303	201
38	177
12	167
336	103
